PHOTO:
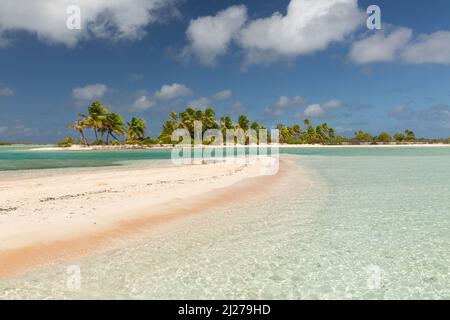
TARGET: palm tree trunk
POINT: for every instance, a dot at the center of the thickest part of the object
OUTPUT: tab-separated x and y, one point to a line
83	137
113	136
96	135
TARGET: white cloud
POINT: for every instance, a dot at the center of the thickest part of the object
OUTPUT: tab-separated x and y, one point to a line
6	92
308	26
89	92
322	110
3	129
205	102
433	48
201	103
166	93
143	103
284	103
222	95
380	47
210	36
399	44
118	19
333	104
315	111
173	91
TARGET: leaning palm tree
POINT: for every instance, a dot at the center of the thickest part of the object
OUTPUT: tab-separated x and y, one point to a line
209	119
136	128
96	118
114	125
243	122
79	126
187	119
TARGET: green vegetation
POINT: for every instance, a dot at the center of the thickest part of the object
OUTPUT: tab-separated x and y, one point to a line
65	143
107	128
111	128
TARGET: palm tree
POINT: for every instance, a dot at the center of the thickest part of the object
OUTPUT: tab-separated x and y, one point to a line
296	129
187	119
331	134
226	123
410	136
243	122
96	118
255	126
209	119
114	125
136	128
325	132
79	126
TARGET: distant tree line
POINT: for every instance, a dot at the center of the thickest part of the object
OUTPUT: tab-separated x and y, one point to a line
111	128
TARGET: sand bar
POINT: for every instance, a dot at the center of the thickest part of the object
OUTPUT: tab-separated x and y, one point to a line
48	219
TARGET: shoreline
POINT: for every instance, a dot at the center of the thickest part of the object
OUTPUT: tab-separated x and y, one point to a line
281	146
65	225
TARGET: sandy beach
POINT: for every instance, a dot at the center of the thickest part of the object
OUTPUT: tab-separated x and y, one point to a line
286	146
54	218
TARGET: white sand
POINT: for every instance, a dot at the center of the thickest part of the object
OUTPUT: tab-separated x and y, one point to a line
301	146
39	216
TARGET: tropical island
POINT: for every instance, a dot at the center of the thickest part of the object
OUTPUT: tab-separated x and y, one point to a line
111	129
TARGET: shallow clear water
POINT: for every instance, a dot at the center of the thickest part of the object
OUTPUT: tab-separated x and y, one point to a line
373	224
20	158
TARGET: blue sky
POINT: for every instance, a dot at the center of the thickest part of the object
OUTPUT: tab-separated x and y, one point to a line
315	59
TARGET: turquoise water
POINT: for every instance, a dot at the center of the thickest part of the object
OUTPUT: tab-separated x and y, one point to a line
14	158
20	158
371	223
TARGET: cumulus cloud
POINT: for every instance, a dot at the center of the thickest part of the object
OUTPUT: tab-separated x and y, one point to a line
333	104
322	110
210	36
143	103
380	47
283	104
399	44
172	91
119	19
167	93
205	102
315	111
6	92
222	95
308	26
89	92
432	48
